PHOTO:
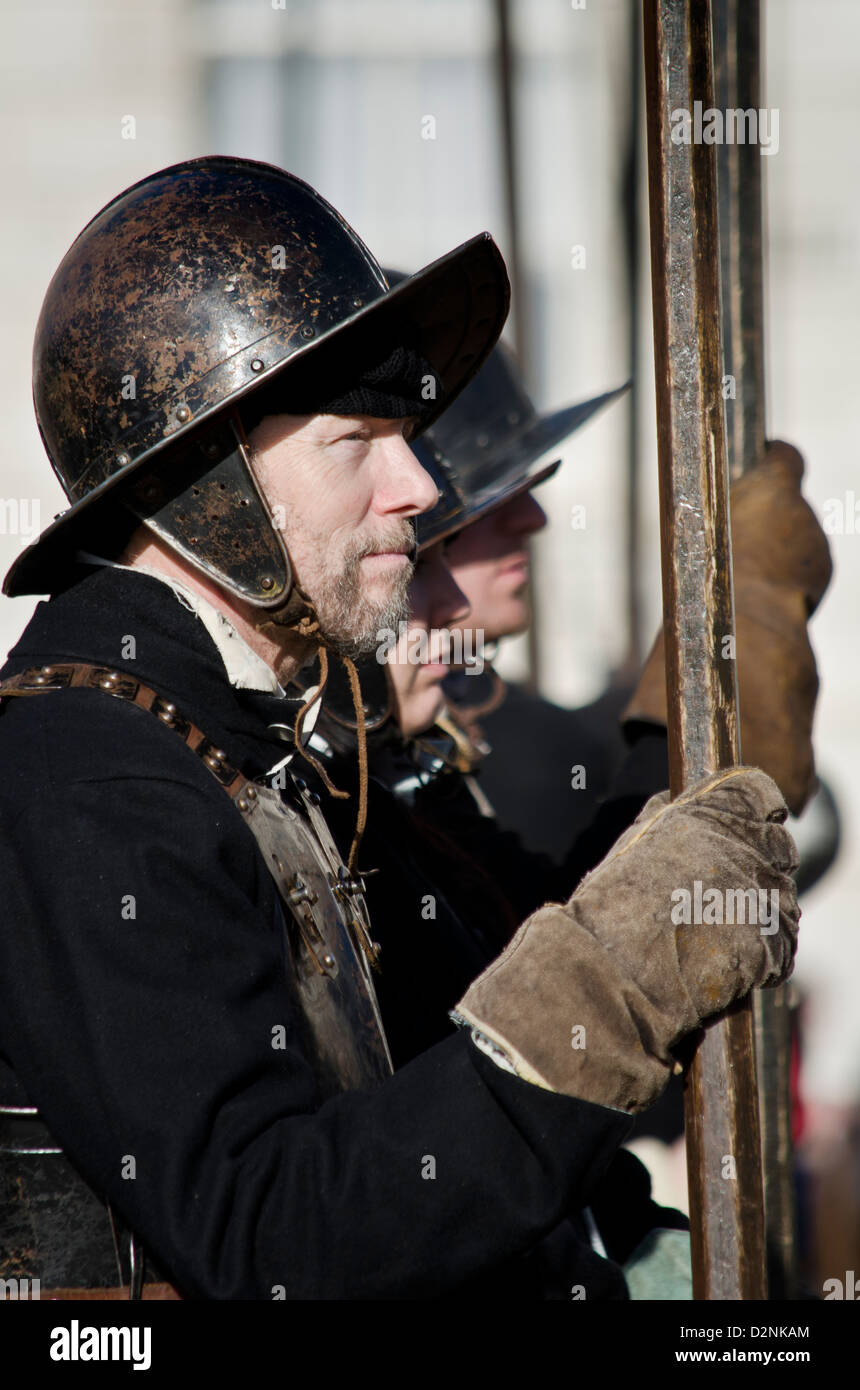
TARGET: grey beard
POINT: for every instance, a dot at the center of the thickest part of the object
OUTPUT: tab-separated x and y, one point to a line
348	621
351	625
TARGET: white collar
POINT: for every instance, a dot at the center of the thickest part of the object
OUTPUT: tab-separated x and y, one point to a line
245	669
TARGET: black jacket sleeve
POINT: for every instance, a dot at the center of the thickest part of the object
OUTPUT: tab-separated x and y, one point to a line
140	983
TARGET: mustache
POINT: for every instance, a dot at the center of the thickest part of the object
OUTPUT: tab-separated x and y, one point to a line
396	537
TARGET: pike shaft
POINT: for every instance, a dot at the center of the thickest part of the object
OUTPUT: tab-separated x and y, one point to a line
721	1107
737	76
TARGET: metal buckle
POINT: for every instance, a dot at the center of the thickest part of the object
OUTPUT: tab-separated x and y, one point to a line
302	898
346	888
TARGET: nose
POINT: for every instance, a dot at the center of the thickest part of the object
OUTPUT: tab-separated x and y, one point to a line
405	488
522	515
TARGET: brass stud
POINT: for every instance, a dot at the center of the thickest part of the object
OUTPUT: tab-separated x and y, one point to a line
183	414
242	804
251	793
123	460
257	364
267	582
328	959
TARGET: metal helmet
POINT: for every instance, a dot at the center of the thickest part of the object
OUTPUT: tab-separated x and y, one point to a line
200	285
489	445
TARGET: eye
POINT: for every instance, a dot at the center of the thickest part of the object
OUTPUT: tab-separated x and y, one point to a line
356	437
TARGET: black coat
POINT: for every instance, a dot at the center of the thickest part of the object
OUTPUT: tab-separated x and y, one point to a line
149	1038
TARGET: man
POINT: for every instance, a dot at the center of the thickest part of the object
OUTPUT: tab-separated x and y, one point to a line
552	766
568	781
190	1005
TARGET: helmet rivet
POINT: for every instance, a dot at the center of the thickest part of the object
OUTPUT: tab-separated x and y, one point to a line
257	364
183	414
307	331
267	582
357	303
123	460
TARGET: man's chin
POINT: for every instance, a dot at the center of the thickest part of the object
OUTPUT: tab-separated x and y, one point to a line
362	641
509	620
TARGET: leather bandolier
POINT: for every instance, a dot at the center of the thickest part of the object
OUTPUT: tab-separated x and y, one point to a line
54	1228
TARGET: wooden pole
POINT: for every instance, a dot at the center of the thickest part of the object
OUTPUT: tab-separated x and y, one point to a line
737	80
721	1106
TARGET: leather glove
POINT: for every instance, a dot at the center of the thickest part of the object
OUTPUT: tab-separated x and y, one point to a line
782	567
589	998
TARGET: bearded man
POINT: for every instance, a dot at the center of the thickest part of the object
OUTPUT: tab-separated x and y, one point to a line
191	1047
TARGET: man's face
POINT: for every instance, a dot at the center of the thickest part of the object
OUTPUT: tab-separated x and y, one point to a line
342	490
418	663
490	563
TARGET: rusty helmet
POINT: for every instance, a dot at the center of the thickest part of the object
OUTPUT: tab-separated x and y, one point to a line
205	283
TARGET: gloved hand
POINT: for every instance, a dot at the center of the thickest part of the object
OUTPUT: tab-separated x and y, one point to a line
781	567
589	998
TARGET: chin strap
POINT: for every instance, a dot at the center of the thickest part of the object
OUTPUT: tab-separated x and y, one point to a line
308	626
361	734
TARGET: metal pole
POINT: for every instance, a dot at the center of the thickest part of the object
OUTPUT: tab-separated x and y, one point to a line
631	185
506	81
737	77
738	87
721	1106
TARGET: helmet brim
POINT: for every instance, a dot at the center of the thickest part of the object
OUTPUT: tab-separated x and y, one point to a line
451	312
520	465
